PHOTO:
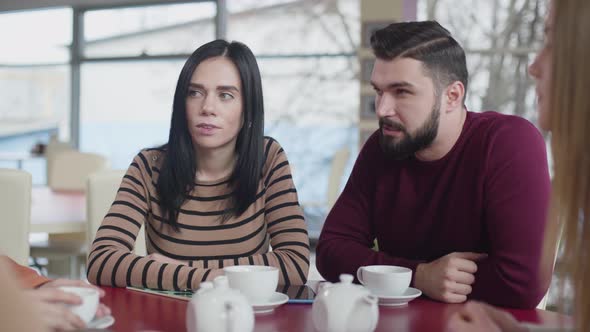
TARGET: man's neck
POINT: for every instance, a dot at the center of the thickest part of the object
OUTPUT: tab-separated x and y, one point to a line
445	140
215	164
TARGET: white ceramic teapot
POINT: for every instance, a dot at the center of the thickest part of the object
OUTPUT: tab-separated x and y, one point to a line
345	307
217	308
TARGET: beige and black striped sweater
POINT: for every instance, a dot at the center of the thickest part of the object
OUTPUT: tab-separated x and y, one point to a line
204	242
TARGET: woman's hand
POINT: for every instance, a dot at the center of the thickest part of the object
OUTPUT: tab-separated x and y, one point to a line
52	306
102	309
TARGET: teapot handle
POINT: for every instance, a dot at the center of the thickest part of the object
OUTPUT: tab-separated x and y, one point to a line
372	300
324	285
229	315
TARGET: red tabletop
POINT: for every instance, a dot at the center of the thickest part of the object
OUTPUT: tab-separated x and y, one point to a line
137	311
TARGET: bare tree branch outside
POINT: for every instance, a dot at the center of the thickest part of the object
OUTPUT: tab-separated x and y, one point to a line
500	38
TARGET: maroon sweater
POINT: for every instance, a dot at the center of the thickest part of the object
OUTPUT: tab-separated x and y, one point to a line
489	194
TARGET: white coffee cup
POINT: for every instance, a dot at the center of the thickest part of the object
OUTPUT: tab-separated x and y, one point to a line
257	282
385	280
90	299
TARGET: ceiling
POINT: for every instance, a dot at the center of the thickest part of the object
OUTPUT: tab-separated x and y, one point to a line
14	5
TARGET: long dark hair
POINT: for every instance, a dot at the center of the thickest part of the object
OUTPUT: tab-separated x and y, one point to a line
177	174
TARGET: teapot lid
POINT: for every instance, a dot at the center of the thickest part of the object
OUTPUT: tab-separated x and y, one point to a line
221	282
345	286
346	278
206	285
218	293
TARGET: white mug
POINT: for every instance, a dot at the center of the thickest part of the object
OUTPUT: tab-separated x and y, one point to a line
257	282
385	280
90	299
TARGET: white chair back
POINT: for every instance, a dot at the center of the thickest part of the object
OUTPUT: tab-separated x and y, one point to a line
15	204
336	171
70	169
100	194
53	148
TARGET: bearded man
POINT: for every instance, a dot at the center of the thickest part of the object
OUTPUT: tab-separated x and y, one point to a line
461	198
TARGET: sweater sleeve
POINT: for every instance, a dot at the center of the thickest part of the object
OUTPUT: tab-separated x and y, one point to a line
27	277
517	188
348	234
111	261
285	224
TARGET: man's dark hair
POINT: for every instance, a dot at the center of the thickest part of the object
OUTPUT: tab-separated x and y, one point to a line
428	42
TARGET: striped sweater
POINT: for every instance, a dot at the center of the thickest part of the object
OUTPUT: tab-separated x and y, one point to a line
274	219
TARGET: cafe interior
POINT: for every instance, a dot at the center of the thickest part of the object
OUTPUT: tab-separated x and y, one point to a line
86	84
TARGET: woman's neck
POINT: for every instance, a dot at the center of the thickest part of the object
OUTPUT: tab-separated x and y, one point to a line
215	164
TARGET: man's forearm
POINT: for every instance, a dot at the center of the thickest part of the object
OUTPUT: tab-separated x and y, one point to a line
516	288
336	256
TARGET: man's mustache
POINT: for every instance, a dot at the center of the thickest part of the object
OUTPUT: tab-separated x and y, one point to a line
391	124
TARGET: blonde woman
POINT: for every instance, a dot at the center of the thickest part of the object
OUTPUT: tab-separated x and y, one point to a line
563	78
16	312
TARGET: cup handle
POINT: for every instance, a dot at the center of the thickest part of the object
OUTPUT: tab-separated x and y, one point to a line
359	275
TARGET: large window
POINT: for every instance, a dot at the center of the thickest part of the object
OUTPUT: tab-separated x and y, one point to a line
34	82
36	37
126	97
500	38
126	106
307	55
150	30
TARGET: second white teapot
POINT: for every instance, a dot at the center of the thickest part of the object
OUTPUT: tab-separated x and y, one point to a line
345	307
217	308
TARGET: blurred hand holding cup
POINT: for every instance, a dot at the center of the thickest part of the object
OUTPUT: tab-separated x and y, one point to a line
90	300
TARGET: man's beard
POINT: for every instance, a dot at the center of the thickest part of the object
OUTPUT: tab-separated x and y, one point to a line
407	145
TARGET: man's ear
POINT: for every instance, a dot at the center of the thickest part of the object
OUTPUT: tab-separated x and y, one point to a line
453	98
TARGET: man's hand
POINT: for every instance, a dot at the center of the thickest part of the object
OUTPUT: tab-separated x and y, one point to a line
449	278
476	316
163	259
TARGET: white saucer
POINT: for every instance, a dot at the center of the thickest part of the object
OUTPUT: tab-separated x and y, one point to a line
101	323
541	328
275	300
399	300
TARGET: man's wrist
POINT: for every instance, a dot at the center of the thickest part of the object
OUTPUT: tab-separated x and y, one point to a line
418	276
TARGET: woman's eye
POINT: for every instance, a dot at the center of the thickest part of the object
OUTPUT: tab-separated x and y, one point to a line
226	96
194	93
